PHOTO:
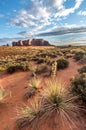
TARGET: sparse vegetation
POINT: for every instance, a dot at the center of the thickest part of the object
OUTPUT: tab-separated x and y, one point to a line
3	95
29	116
43	68
22	66
37	95
54	100
82	70
2	69
79	86
83	60
79	55
35	85
62	64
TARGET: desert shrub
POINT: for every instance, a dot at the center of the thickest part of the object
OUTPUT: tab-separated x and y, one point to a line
2	69
52	54
34	87
3	94
47	60
82	70
35	59
62	64
69	55
43	54
83	60
79	86
43	68
29	115
23	66
11	69
78	55
55	101
40	61
21	58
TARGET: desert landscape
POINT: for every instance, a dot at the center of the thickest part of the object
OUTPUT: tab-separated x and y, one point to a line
42	64
43	87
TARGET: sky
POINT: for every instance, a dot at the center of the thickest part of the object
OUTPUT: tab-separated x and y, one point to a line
61	22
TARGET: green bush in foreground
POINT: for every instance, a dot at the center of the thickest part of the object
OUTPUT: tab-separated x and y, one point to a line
79	86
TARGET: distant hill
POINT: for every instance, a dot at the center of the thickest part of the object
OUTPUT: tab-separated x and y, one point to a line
31	42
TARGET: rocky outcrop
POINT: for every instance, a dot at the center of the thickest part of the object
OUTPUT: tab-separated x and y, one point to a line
33	42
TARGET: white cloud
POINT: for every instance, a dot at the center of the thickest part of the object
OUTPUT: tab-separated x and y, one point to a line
54	3
83	13
65	12
36	15
43	13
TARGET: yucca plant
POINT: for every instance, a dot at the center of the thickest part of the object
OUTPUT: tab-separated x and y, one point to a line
3	94
28	116
35	85
54	68
58	102
55	101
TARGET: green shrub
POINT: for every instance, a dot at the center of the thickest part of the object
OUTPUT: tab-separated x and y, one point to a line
23	66
40	61
79	86
62	64
82	70
78	55
2	69
11	69
83	60
43	68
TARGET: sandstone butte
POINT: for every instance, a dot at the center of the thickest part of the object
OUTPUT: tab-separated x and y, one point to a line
31	42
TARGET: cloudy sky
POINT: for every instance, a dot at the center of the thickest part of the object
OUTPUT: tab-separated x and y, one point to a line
58	21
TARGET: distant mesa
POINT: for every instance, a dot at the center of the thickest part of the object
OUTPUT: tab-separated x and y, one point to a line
33	42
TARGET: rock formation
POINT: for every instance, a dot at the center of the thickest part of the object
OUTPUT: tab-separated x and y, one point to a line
33	42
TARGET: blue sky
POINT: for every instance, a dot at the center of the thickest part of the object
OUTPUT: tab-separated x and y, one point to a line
58	21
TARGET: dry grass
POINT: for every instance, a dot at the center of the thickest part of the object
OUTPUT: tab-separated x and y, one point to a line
54	100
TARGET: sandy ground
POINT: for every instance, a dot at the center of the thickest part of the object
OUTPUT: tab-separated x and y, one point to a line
16	83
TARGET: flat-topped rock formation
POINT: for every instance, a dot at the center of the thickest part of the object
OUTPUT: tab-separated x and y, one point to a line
33	42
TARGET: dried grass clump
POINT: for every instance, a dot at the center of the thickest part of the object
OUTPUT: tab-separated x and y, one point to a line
34	85
4	94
